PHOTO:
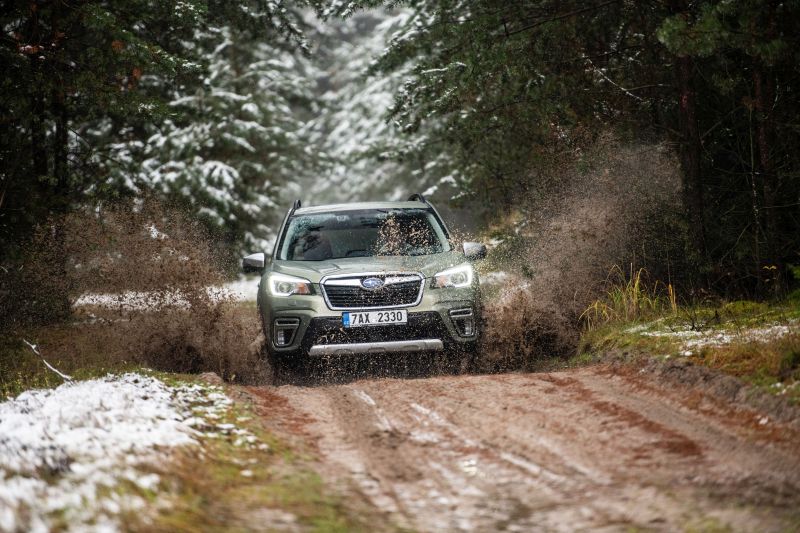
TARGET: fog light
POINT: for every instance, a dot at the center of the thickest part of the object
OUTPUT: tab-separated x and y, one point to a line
284	331
463	321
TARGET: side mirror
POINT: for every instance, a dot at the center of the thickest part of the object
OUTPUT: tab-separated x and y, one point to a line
474	250
253	263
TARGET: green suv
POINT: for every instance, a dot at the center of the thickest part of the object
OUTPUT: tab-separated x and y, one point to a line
367	278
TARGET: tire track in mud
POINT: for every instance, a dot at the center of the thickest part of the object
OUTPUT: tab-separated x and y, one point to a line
581	449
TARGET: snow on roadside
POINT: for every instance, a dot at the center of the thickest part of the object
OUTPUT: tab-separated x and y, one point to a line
243	289
63	451
691	340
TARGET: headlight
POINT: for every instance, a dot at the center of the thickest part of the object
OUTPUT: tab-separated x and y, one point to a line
283	285
460	276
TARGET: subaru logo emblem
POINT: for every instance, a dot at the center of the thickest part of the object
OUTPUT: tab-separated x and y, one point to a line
372	284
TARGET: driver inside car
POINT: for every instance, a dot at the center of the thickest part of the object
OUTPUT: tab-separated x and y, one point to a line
314	246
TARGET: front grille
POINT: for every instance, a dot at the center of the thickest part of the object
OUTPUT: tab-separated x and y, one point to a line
398	291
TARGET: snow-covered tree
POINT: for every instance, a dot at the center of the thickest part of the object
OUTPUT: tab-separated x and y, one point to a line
235	140
232	137
367	155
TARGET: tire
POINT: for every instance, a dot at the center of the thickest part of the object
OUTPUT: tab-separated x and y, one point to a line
284	370
462	359
274	363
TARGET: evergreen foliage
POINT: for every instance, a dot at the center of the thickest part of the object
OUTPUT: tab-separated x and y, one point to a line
231	141
363	154
102	98
224	107
499	81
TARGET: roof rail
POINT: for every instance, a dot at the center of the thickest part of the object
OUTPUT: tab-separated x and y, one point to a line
417	197
296	205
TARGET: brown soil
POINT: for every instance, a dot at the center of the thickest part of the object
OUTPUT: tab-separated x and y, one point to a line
593	448
152	271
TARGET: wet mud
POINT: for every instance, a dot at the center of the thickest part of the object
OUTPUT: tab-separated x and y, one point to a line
564	451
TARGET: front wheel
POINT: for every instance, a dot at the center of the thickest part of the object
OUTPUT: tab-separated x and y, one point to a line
283	370
274	364
462	359
461	362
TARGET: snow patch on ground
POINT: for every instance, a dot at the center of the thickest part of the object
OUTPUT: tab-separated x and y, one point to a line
783	388
243	289
64	451
692	340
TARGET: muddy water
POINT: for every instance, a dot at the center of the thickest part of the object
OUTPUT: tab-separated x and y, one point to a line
582	449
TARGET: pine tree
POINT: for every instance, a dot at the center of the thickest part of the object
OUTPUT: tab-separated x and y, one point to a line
232	142
102	97
366	156
64	63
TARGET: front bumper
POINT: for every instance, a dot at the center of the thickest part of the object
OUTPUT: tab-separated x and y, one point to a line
325	335
421	345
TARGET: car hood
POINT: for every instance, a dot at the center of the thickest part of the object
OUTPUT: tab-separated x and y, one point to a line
314	271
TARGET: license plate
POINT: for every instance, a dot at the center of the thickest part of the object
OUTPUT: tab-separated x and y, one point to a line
374	318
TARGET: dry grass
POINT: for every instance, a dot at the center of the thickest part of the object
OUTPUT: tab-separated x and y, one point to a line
215	339
85	355
770	362
775	359
629	298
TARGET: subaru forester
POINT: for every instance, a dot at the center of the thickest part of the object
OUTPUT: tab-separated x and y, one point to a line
367	278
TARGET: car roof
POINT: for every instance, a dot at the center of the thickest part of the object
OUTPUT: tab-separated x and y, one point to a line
355	206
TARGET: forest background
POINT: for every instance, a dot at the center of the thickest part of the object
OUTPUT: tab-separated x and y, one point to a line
684	112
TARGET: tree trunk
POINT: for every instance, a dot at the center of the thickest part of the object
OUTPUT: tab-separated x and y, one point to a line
61	152
37	117
61	194
690	154
690	151
38	135
59	110
764	93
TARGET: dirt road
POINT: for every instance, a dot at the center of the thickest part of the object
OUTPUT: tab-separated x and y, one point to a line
581	449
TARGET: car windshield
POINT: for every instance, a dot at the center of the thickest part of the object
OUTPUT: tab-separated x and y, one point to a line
362	233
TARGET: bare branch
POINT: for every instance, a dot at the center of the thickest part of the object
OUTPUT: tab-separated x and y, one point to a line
48	365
